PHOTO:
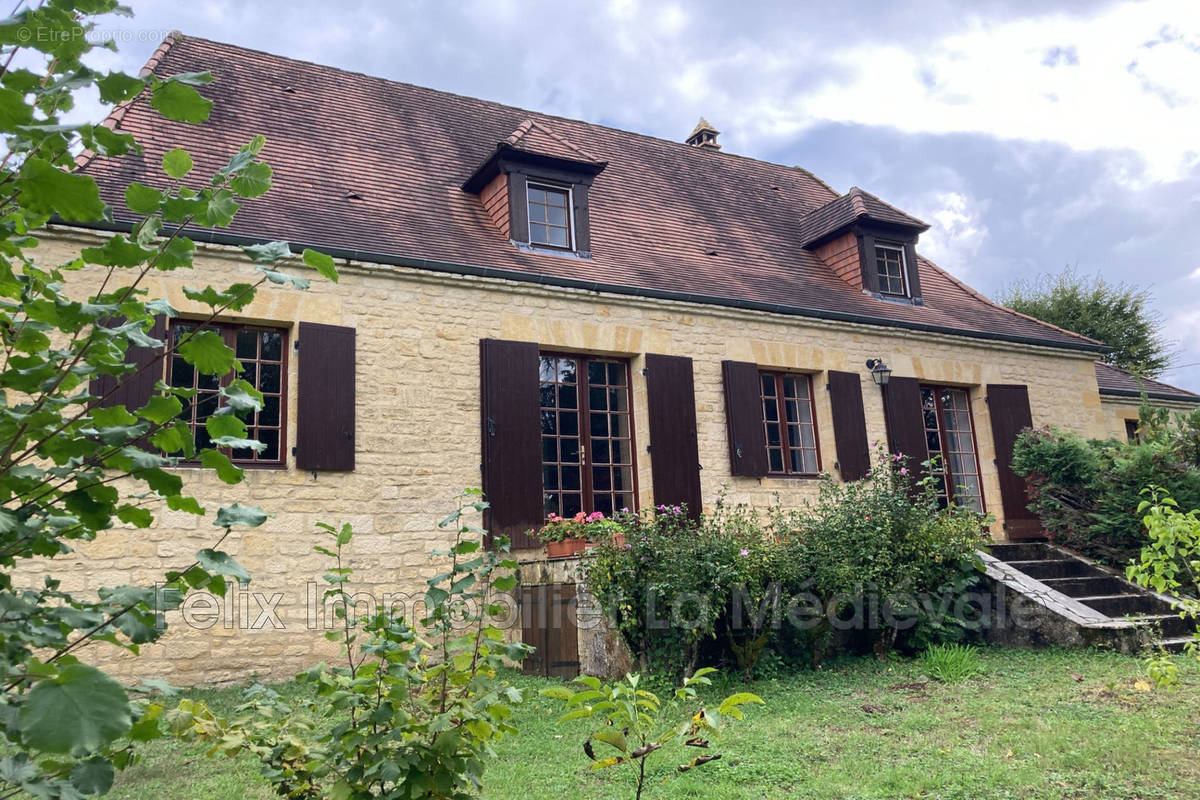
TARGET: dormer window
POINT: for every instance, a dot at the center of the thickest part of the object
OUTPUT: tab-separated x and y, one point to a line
549	216
534	190
891	269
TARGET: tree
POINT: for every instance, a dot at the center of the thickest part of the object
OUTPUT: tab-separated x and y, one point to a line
1116	314
72	462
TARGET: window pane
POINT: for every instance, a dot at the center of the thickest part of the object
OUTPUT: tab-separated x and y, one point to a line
247	344
572	504
549	451
599	424
558	237
620	451
622	479
250	373
536	195
567	396
810	461
604	504
556	216
549	478
547	396
271	439
538	234
772	435
272	346
537	212
601	479
616	374
600	451
570	478
547	366
619	425
568	423
775	457
566	370
182	374
556	199
548	422
568	451
268	379
207	381
770	410
597	372
618	400
768	385
269	415
597	399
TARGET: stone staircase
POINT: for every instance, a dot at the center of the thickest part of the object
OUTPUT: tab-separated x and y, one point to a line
1093	604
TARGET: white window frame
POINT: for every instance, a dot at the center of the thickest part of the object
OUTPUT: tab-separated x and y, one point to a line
532	184
899	248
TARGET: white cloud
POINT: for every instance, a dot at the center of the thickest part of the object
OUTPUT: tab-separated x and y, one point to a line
957	232
1124	78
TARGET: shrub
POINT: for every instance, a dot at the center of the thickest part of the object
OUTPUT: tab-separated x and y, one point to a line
1086	492
416	708
951	663
631	728
722	586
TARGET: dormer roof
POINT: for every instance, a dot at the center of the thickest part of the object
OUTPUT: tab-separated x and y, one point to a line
534	142
856	205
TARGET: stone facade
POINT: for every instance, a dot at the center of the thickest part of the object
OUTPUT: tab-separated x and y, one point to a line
1119	410
418	431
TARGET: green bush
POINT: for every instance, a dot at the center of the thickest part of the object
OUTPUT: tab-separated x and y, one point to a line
1087	492
951	663
760	591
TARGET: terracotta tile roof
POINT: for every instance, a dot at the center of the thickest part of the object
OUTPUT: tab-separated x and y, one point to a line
849	208
534	137
375	167
1120	383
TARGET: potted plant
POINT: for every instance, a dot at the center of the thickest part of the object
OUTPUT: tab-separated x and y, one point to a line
570	536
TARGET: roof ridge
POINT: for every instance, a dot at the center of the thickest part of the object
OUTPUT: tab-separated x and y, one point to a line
523	130
682	146
885	203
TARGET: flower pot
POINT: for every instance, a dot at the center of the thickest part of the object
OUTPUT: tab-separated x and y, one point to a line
566	548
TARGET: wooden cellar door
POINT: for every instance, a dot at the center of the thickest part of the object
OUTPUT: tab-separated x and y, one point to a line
548	622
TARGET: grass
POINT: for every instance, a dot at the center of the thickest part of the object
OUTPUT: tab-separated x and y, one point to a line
1033	724
951	663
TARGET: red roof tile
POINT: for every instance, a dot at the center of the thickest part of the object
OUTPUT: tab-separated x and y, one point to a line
667	219
1121	383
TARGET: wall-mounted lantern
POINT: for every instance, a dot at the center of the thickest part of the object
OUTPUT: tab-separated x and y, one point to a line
881	373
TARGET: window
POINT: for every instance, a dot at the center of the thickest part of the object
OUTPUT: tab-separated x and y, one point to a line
949	434
1131	431
587	436
263	354
788	416
550	216
889	265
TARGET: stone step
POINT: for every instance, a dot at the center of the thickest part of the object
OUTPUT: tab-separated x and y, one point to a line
1056	568
1021	551
1167	625
1123	605
1175	645
1088	586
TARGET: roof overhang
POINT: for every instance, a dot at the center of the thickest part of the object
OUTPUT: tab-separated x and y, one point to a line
506	154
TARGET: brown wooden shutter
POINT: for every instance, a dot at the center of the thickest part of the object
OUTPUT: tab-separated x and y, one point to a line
548	622
849	425
136	387
906	422
325	404
744	419
674	452
512	439
1008	407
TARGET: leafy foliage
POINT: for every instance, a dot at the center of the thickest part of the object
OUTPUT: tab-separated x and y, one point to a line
754	589
1170	564
632	726
1117	315
73	462
1086	492
416	708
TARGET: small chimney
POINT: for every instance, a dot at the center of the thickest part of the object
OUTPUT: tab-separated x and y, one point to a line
704	135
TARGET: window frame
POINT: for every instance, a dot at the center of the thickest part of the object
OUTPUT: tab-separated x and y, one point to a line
583	408
228	331
951	487
781	419
550	186
880	277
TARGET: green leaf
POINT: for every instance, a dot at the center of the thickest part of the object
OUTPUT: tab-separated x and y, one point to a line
207	352
138	517
177	163
94	776
186	504
267	253
180	102
117	87
240	397
177	253
254	180
161	408
236	514
611	737
558	693
46	189
221	563
81	709
14	110
142	199
219	426
216	460
322	263
117	251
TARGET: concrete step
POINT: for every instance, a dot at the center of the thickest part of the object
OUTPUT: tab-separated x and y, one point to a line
1176	644
1088	586
1056	568
1021	551
1167	625
1127	604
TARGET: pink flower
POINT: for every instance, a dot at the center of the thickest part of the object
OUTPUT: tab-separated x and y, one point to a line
745	552
898	456
873	444
904	470
580	517
554	518
595	515
677	510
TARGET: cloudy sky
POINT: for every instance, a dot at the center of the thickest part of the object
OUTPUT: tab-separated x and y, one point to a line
1031	134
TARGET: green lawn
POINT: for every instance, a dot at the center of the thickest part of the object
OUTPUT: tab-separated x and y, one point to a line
1037	724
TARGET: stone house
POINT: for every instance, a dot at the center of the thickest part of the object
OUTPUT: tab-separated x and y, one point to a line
572	316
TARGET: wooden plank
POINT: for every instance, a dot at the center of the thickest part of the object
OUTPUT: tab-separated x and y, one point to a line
1008	408
674	453
906	422
849	425
744	419
326	398
512	454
